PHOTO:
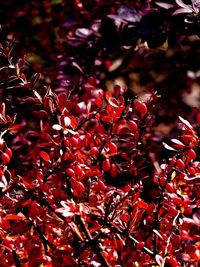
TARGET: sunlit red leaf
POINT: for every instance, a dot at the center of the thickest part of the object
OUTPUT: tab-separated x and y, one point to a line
186	123
5	224
168	147
178	143
108	95
98	102
113	102
57	127
159	259
77	185
73	122
106	119
45	156
14	217
142	204
118	112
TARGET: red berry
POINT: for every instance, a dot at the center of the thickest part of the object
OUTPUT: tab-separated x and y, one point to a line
1	174
180	164
5	158
106	165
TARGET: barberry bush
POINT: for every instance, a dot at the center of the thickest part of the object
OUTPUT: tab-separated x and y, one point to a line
93	174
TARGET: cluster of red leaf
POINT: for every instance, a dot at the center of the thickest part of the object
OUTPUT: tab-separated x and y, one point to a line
80	179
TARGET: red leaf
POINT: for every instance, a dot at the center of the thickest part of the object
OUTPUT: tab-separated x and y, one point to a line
141	107
136	196
98	102
168	147
113	170
5	224
180	164
27	184
118	112
113	102
132	125
125	217
5	158
178	143
77	186
106	165
112	148
117	90
9	152
45	156
74	123
172	262
27	202
106	118
191	154
159	260
186	123
69	261
14	217
108	95
41	114
142	204
57	127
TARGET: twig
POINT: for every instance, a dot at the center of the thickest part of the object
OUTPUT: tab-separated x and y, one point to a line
16	258
92	241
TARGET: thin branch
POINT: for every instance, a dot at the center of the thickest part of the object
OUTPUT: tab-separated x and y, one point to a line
93	242
16	258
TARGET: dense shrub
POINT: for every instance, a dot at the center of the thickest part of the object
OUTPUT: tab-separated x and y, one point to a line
94	173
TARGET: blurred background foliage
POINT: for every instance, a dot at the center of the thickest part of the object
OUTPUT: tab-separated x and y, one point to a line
143	45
